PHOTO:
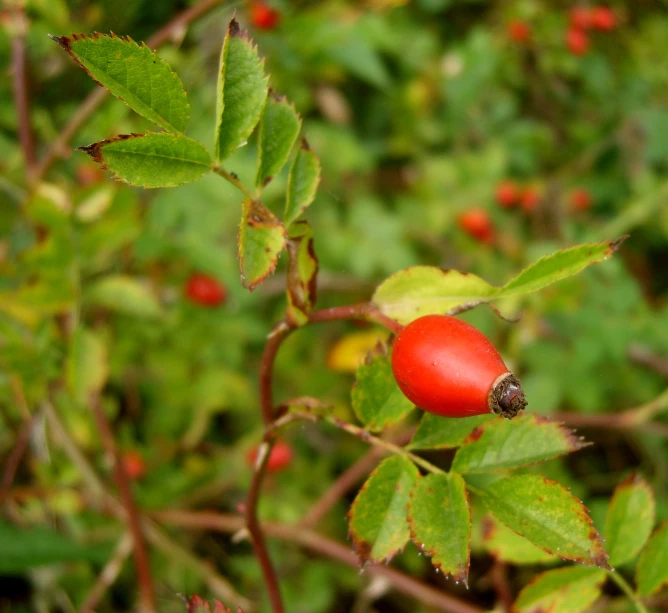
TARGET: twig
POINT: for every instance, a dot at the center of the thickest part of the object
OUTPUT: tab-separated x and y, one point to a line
14	459
98	95
219	586
499	577
234	180
21	91
108	575
142	562
646	357
426	594
366	311
626	588
353	475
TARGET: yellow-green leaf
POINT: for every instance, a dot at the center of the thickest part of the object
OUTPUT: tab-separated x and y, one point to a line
436	432
125	295
302	273
87	364
302	183
508	546
652	569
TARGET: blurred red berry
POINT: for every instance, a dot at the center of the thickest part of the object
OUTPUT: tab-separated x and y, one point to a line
477	224
507	194
134	464
205	290
581	18
519	31
280	457
577	42
89	175
264	17
529	199
603	19
580	200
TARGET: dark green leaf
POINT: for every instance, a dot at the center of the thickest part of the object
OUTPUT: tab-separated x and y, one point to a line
279	128
572	589
302	183
499	444
378	514
153	159
242	91
302	273
652	569
376	397
261	240
436	432
133	73
630	519
440	522
549	516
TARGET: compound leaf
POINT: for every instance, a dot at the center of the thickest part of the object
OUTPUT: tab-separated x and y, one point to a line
133	73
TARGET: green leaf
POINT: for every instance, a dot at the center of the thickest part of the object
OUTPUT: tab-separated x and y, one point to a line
378	514
302	273
23	549
279	128
499	444
242	91
440	522
563	590
133	73
435	432
153	159
508	546
424	290
544	512
652	569
376	397
302	183
124	295
261	240
630	519
87	365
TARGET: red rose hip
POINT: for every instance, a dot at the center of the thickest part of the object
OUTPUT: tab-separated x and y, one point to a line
507	194
280	457
205	290
264	17
447	367
477	224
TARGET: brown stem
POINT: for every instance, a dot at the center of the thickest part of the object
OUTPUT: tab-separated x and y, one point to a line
14	459
321	545
21	91
499	577
59	146
366	311
142	562
644	356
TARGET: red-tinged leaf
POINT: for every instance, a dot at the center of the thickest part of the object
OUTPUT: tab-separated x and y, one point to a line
378	515
630	519
499	444
440	522
508	546
572	589
261	240
547	514
652	569
302	273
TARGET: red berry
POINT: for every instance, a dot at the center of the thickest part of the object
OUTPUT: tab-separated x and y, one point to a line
581	18
477	224
134	464
603	19
447	367
507	194
519	31
577	42
264	17
205	290
279	458
580	200
529	199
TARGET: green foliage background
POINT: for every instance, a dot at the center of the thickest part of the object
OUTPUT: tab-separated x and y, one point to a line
417	110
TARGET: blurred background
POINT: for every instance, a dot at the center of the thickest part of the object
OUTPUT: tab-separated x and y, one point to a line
476	135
